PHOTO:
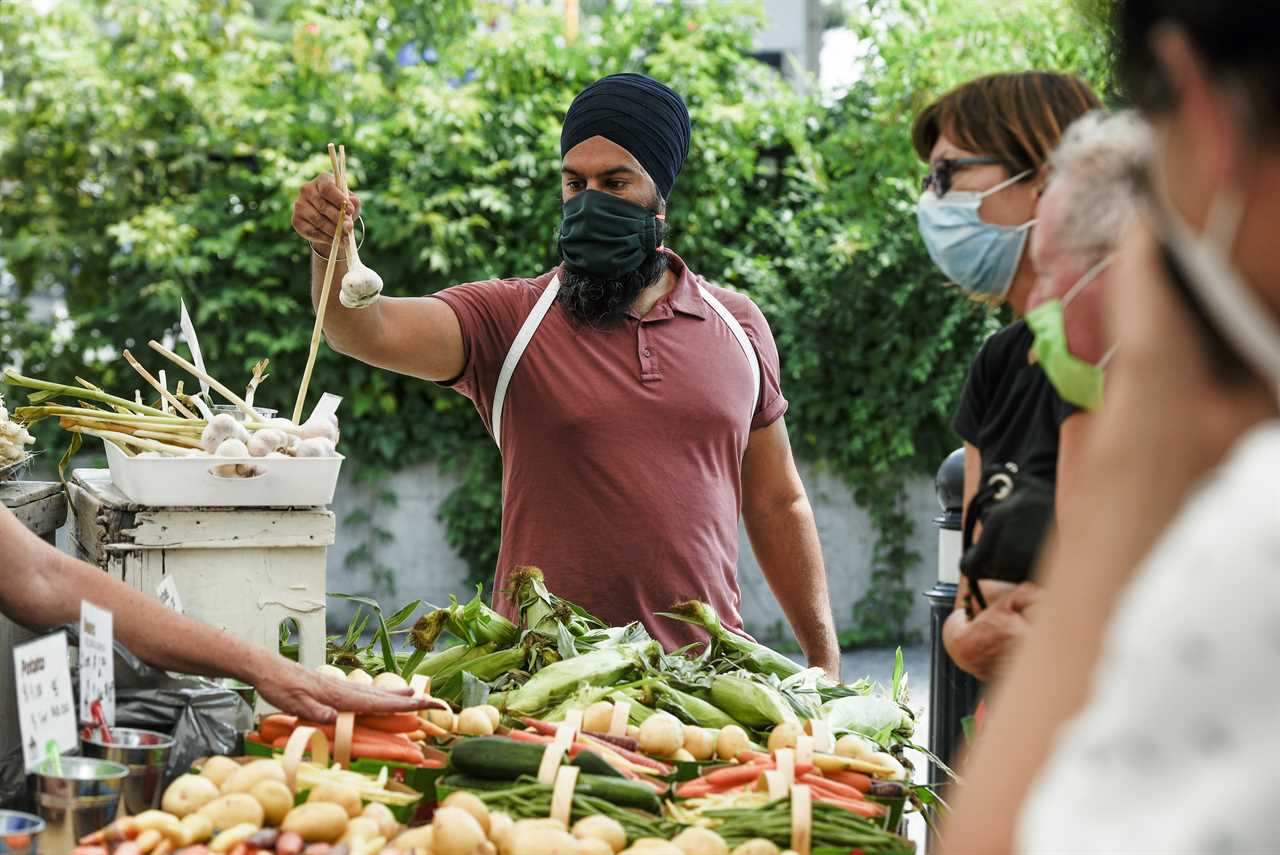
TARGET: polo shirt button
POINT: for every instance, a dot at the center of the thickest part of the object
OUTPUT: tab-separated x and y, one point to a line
647	353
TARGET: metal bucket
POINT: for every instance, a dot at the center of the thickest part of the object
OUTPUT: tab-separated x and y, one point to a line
145	753
20	833
85	797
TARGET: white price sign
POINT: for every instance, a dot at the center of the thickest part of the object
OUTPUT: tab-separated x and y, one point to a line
97	663
167	591
46	707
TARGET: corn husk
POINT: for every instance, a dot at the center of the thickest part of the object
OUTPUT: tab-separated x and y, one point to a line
603	667
743	652
475	624
750	703
691	709
869	715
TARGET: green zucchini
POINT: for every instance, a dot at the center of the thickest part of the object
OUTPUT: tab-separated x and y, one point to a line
592	763
471	782
619	791
496	757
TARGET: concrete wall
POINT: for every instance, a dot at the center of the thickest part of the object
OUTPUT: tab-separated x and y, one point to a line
428	568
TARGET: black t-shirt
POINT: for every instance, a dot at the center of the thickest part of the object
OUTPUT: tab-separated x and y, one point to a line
1010	411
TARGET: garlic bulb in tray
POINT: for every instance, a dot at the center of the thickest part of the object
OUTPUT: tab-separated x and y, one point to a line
14	439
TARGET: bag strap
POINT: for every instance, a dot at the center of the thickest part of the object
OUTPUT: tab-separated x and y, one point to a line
743	341
540	309
518	346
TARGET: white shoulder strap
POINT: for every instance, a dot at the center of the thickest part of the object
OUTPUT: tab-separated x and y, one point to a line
518	346
741	335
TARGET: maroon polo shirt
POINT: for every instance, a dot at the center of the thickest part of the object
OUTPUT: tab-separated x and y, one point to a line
622	448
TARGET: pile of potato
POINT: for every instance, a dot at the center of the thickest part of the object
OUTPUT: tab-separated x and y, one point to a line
241	809
463	825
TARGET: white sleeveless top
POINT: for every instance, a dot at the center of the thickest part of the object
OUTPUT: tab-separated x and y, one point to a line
1177	749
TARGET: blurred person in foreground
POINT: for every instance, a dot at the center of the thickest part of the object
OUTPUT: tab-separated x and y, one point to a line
1140	714
1087	206
987	145
41	588
645	415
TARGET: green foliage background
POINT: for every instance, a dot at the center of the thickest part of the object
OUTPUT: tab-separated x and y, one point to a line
151	149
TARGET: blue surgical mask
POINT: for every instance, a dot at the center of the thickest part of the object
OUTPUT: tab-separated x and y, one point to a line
978	256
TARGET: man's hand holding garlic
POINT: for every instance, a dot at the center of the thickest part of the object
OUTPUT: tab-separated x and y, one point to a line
314	217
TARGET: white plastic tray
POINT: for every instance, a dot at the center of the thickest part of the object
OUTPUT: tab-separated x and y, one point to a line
168	482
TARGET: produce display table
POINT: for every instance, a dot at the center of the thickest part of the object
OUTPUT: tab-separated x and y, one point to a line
242	570
42	507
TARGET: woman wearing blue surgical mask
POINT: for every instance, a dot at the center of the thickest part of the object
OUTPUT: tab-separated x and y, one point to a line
986	144
1151	664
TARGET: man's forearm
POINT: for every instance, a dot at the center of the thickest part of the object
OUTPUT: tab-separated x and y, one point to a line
344	329
785	540
56	583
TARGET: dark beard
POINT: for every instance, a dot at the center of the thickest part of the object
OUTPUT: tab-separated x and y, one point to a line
603	302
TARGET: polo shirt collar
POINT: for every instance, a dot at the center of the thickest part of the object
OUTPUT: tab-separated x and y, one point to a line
684	297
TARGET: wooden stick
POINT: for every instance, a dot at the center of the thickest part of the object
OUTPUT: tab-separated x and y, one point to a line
352	252
213	384
318	329
158	386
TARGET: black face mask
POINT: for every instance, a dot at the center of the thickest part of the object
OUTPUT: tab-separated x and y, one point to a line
607	237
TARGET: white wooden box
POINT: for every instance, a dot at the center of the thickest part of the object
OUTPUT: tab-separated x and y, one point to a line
242	570
175	482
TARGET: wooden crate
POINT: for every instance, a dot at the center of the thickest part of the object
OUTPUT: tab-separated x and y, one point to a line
243	570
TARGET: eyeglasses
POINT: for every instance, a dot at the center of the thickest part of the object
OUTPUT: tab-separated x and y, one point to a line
939	178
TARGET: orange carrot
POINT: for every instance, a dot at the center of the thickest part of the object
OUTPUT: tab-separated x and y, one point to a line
833	788
528	736
754	757
857	780
866	809
733	775
693	789
272	727
391	722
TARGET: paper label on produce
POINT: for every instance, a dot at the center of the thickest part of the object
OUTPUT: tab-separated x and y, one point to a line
46	706
167	591
327	406
786	760
573	718
621	715
189	334
97	663
822	741
804	749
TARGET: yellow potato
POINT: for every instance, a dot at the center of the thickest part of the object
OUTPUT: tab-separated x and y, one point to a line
187	794
160	821
603	828
338	794
360	677
593	846
471	803
316	822
243	779
275	798
218	769
381	814
416	840
545	841
233	837
360	829
196	828
234	809
390	680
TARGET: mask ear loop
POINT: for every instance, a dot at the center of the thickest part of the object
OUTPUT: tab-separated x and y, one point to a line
1009	182
1091	274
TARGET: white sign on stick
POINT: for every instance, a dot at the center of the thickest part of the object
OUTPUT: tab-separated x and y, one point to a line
97	663
167	591
46	706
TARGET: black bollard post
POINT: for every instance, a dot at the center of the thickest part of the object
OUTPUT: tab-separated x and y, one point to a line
953	694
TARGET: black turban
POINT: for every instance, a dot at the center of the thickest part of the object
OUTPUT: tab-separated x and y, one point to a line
645	117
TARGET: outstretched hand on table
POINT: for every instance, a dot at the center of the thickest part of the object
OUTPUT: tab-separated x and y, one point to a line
318	697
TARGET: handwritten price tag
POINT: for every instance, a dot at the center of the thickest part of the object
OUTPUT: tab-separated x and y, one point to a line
167	591
97	663
46	707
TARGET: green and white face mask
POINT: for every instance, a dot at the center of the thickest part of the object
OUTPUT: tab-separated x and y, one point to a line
1077	381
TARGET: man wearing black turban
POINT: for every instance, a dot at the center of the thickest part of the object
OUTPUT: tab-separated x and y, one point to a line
637	406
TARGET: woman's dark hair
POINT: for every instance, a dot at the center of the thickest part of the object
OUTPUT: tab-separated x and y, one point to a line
1236	40
1018	117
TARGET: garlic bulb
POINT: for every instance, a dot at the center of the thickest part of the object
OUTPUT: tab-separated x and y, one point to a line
361	285
264	442
316	446
325	426
14	439
221	428
234	448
